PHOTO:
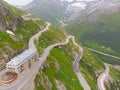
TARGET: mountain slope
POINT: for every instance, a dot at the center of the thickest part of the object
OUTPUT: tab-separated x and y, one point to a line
14	32
91	67
102	34
58	12
57	72
99	29
113	82
48	10
58	69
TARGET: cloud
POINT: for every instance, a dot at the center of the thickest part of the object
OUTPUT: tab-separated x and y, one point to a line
19	2
25	2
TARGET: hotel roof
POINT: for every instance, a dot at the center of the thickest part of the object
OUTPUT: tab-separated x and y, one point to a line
21	58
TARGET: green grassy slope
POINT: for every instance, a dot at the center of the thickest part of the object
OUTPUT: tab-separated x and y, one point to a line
53	35
86	66
91	66
114	80
102	34
49	10
12	45
109	60
58	67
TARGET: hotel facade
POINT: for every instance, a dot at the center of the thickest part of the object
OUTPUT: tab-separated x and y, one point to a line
23	61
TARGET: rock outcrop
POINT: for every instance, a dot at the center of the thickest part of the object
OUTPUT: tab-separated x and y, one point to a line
4	11
6	21
2	25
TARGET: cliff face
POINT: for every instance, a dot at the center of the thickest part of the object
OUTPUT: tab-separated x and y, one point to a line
2	25
7	20
3	13
12	44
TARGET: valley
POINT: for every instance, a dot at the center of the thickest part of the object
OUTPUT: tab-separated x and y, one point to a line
76	45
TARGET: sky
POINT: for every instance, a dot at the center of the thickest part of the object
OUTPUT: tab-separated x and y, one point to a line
25	2
76	0
19	2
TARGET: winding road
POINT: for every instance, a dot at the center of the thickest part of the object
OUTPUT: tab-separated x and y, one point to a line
105	54
102	78
18	84
42	59
20	81
82	80
27	17
36	36
32	73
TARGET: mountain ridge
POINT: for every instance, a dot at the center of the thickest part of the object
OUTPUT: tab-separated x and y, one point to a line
57	72
67	10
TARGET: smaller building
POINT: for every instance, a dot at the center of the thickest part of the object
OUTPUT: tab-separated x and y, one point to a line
22	61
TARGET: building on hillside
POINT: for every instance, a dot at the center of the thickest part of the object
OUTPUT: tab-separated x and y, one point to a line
23	61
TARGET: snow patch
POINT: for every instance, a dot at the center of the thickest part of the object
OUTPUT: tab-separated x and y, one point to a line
10	32
67	0
78	0
86	0
81	5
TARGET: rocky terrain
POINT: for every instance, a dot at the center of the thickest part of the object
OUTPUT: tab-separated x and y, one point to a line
102	20
13	32
6	19
61	12
58	12
87	20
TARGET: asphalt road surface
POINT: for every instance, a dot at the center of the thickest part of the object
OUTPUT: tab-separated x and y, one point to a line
102	78
82	80
22	81
105	54
104	75
36	37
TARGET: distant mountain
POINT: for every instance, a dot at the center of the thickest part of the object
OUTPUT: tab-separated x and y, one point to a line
98	26
58	11
58	71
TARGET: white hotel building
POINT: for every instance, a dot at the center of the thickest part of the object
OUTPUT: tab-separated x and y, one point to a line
23	61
